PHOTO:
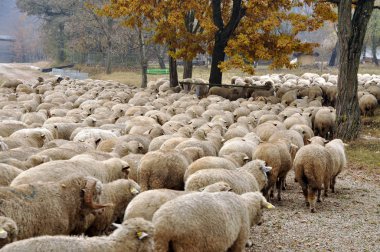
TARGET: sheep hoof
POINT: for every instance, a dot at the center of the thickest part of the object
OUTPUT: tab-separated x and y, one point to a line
312	210
319	200
307	204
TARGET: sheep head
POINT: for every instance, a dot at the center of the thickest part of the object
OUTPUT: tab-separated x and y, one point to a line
92	190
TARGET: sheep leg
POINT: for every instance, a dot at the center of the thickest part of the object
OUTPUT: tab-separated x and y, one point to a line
240	242
319	196
332	186
279	188
312	199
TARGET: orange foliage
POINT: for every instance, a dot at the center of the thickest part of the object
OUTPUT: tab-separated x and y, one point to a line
267	31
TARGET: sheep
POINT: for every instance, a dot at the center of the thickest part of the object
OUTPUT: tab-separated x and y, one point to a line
266	130
289	97
147	203
293	136
305	131
375	91
249	178
119	193
243	145
209	162
163	169
132	235
7	127
8	173
312	167
278	155
35	137
336	149
48	208
105	171
229	93
368	104
222	221
324	123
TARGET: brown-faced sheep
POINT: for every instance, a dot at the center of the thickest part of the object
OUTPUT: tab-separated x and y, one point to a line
312	168
48	208
132	235
222	221
249	178
106	171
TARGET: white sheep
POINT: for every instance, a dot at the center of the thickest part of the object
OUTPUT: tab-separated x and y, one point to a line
223	218
132	235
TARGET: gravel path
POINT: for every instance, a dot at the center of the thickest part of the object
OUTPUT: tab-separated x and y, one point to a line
348	220
19	71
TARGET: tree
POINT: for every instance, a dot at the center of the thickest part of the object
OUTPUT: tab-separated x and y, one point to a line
373	37
351	33
53	12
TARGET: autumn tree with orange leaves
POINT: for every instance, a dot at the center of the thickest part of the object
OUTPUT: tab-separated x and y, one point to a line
245	31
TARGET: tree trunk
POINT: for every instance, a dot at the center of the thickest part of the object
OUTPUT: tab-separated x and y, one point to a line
218	56
374	47
61	42
334	55
351	36
143	60
187	69
160	56
173	72
109	58
222	35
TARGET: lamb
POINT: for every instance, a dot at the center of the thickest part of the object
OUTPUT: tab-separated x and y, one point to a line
278	155
249	178
132	235
209	162
368	104
147	203
8	173
336	149
48	208
222	221
106	171
119	193
312	168
305	131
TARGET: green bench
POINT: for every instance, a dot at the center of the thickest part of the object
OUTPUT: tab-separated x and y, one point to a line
157	71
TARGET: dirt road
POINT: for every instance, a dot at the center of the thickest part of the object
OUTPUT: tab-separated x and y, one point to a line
23	72
348	220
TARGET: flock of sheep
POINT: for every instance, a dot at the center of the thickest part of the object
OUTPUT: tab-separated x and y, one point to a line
179	171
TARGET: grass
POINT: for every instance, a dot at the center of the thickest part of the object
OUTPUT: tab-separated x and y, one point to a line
133	76
365	151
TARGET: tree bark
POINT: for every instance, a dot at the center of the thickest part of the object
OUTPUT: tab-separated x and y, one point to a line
334	55
374	47
143	60
173	73
187	69
109	57
61	42
222	36
160	56
351	34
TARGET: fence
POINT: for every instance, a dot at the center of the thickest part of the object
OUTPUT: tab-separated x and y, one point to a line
73	74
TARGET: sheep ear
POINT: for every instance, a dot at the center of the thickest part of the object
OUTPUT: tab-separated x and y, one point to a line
3	233
267	169
269	205
141	235
308	140
246	158
325	141
97	141
117	225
